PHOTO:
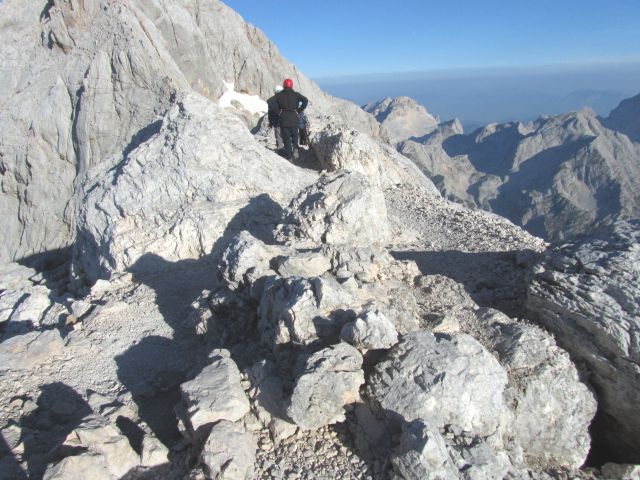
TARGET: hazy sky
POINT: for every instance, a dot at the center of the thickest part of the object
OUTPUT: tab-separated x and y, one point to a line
331	37
478	60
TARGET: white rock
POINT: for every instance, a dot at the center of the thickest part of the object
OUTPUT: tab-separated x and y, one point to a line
331	380
341	208
229	452
588	295
101	437
215	394
441	380
371	330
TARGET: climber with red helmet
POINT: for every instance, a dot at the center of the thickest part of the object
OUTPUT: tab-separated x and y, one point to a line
290	103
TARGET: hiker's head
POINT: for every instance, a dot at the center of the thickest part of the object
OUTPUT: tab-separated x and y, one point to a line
278	89
288	83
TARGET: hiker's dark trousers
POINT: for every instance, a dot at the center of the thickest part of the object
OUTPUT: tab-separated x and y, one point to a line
290	139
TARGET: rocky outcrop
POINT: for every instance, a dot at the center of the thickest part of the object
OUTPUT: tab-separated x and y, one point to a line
587	294
339	209
196	189
214	395
229	452
403	118
331	379
339	147
469	383
85	83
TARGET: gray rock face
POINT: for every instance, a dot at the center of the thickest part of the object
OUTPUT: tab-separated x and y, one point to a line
555	177
625	118
212	181
296	310
229	452
403	118
330	380
588	295
441	380
545	387
23	352
83	82
423	455
215	394
341	208
340	147
371	330
105	452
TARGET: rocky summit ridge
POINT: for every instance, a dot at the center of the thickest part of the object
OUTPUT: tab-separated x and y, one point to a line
208	309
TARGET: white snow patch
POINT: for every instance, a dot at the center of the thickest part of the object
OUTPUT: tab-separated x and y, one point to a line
252	103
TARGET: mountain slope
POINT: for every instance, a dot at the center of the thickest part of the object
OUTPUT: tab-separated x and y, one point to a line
556	177
83	81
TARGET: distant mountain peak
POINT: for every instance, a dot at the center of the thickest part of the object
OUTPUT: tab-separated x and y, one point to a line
402	117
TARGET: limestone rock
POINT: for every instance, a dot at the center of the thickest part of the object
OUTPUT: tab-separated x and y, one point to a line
402	117
99	437
423	454
341	208
24	352
306	264
552	408
247	256
371	330
330	381
202	159
341	148
88	465
290	311
215	394
588	295
229	452
441	380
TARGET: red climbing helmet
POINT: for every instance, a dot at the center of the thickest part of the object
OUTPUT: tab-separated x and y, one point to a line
288	83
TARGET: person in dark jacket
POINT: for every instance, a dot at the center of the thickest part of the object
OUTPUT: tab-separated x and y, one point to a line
290	103
272	115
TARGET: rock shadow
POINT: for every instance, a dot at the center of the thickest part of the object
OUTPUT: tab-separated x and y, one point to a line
492	279
9	465
154	368
60	410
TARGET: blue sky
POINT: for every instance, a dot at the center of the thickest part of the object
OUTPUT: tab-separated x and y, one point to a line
331	38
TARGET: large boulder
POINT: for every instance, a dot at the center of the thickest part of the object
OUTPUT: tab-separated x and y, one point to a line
552	408
229	452
214	395
341	208
588	295
330	380
441	380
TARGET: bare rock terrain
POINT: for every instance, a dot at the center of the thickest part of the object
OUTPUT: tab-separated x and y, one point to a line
193	306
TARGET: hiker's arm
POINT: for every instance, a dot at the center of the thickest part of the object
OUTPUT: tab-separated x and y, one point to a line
302	99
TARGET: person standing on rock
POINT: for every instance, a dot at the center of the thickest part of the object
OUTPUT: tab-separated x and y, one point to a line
273	113
290	103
